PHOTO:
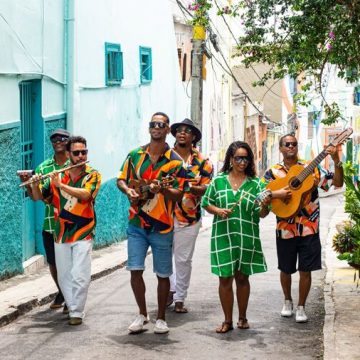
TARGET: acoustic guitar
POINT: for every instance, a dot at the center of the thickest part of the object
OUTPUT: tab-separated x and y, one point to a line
300	182
142	187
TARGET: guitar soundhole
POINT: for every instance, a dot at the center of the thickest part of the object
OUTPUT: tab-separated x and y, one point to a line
295	183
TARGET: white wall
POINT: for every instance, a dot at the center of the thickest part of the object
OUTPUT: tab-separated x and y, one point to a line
115	119
31	36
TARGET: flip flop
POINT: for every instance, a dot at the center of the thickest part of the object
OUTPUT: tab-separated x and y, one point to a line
170	298
179	308
243	324
224	327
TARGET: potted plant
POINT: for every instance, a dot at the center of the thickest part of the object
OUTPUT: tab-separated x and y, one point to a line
347	241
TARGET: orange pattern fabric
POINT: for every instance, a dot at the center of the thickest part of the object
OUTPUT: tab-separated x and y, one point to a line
154	214
74	218
306	222
199	171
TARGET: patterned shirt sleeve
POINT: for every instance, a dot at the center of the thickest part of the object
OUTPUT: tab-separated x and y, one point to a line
209	196
180	182
206	172
267	177
325	178
92	183
124	170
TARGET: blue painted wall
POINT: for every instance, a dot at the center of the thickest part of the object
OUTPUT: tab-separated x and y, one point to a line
10	203
111	212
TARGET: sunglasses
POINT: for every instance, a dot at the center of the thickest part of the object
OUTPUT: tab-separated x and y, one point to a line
157	124
290	143
56	139
186	130
78	152
240	159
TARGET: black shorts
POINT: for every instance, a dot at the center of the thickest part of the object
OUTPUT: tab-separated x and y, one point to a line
306	250
49	246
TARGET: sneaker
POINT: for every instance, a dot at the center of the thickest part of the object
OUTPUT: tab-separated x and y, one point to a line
300	316
58	302
161	327
138	324
75	321
287	309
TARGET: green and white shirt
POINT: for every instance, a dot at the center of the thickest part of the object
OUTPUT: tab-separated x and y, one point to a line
235	242
44	168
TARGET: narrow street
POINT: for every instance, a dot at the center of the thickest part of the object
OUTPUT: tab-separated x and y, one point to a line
44	334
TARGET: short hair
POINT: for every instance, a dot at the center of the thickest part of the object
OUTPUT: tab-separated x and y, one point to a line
73	140
286	135
162	114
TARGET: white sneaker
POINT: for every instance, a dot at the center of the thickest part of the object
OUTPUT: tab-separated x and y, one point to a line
287	309
300	316
161	327
138	324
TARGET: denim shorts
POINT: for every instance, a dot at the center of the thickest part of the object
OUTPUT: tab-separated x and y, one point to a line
139	241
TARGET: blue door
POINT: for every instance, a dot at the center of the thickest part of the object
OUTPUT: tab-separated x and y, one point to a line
31	128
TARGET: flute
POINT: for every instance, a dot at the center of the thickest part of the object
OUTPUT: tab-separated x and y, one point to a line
43	177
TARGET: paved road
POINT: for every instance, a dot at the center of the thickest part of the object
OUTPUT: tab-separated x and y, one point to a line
44	334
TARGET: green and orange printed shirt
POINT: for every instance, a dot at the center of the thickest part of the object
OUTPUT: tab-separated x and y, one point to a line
306	222
155	214
46	167
74	219
199	171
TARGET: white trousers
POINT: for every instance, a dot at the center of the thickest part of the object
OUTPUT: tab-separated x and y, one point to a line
73	264
183	250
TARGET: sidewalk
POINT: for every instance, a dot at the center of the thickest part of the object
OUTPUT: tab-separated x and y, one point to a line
20	294
342	302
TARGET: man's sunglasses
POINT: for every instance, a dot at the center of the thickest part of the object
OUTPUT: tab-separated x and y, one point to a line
56	139
290	143
240	159
78	152
186	130
157	124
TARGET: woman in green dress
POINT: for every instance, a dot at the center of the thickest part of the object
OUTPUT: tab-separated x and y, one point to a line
236	250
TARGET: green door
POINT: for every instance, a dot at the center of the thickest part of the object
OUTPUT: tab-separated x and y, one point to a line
27	159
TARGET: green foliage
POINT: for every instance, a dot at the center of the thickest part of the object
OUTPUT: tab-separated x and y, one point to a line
199	9
347	241
299	37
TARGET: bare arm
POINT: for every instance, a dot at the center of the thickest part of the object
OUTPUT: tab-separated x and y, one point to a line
197	190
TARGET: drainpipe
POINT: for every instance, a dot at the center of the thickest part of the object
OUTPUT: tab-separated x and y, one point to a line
69	61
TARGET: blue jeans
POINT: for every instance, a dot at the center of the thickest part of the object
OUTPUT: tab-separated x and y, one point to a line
139	241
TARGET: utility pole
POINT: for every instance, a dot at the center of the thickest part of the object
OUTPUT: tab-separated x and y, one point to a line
198	41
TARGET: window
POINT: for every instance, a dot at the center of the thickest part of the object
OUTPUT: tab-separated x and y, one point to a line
145	65
113	64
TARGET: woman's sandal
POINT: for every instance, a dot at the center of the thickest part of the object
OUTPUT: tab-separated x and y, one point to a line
243	323
224	327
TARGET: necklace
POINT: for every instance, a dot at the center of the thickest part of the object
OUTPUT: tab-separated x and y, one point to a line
236	183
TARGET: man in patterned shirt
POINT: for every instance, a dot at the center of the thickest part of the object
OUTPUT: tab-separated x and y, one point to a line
297	238
187	222
59	160
72	193
151	221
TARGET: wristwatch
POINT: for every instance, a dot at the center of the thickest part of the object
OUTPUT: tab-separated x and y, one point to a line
339	164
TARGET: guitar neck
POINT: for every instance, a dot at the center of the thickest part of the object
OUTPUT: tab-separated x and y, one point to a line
310	168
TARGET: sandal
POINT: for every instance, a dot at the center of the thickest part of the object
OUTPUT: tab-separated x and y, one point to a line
170	298
243	323
179	308
225	327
